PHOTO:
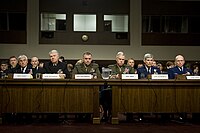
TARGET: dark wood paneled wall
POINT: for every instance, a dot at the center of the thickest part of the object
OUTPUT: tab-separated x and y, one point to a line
159	7
172	8
13	36
13	5
85	6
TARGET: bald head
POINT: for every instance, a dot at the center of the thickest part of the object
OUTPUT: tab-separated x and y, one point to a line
34	61
179	60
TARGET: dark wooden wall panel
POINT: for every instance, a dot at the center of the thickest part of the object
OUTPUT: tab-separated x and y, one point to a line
16	36
13	5
103	6
173	8
157	7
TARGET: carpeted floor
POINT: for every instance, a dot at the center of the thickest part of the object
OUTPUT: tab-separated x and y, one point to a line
102	128
21	124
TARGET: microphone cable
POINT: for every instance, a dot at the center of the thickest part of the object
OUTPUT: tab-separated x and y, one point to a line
155	94
65	121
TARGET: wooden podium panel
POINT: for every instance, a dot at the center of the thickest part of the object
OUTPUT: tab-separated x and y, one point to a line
57	99
154	96
50	96
82	96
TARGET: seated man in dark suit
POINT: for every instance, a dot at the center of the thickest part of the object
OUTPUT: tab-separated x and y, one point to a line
13	64
55	66
3	69
147	68
179	68
24	67
35	67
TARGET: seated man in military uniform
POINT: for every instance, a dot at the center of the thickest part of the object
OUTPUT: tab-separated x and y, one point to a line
54	66
87	67
145	71
179	68
120	68
176	71
106	94
147	68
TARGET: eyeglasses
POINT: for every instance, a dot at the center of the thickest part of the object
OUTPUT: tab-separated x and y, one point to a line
87	58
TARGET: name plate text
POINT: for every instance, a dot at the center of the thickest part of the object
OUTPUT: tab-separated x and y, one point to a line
129	76
192	77
83	76
22	76
51	76
159	76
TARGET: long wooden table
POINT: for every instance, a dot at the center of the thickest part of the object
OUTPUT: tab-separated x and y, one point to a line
50	96
82	96
159	96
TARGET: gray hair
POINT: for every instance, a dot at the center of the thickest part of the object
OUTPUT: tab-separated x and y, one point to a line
119	54
148	55
22	57
179	55
34	57
53	51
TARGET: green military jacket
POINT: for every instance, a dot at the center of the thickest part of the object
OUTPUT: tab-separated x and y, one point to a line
93	69
124	69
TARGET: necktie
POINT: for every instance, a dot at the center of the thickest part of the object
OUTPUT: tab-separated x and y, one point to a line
181	69
149	70
23	70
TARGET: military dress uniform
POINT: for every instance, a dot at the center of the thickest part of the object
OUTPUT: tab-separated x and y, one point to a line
144	71
82	68
172	72
51	68
106	90
124	69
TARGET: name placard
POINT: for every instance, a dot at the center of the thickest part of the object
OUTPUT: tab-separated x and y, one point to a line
83	76
159	76
129	76
192	77
22	76
51	76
